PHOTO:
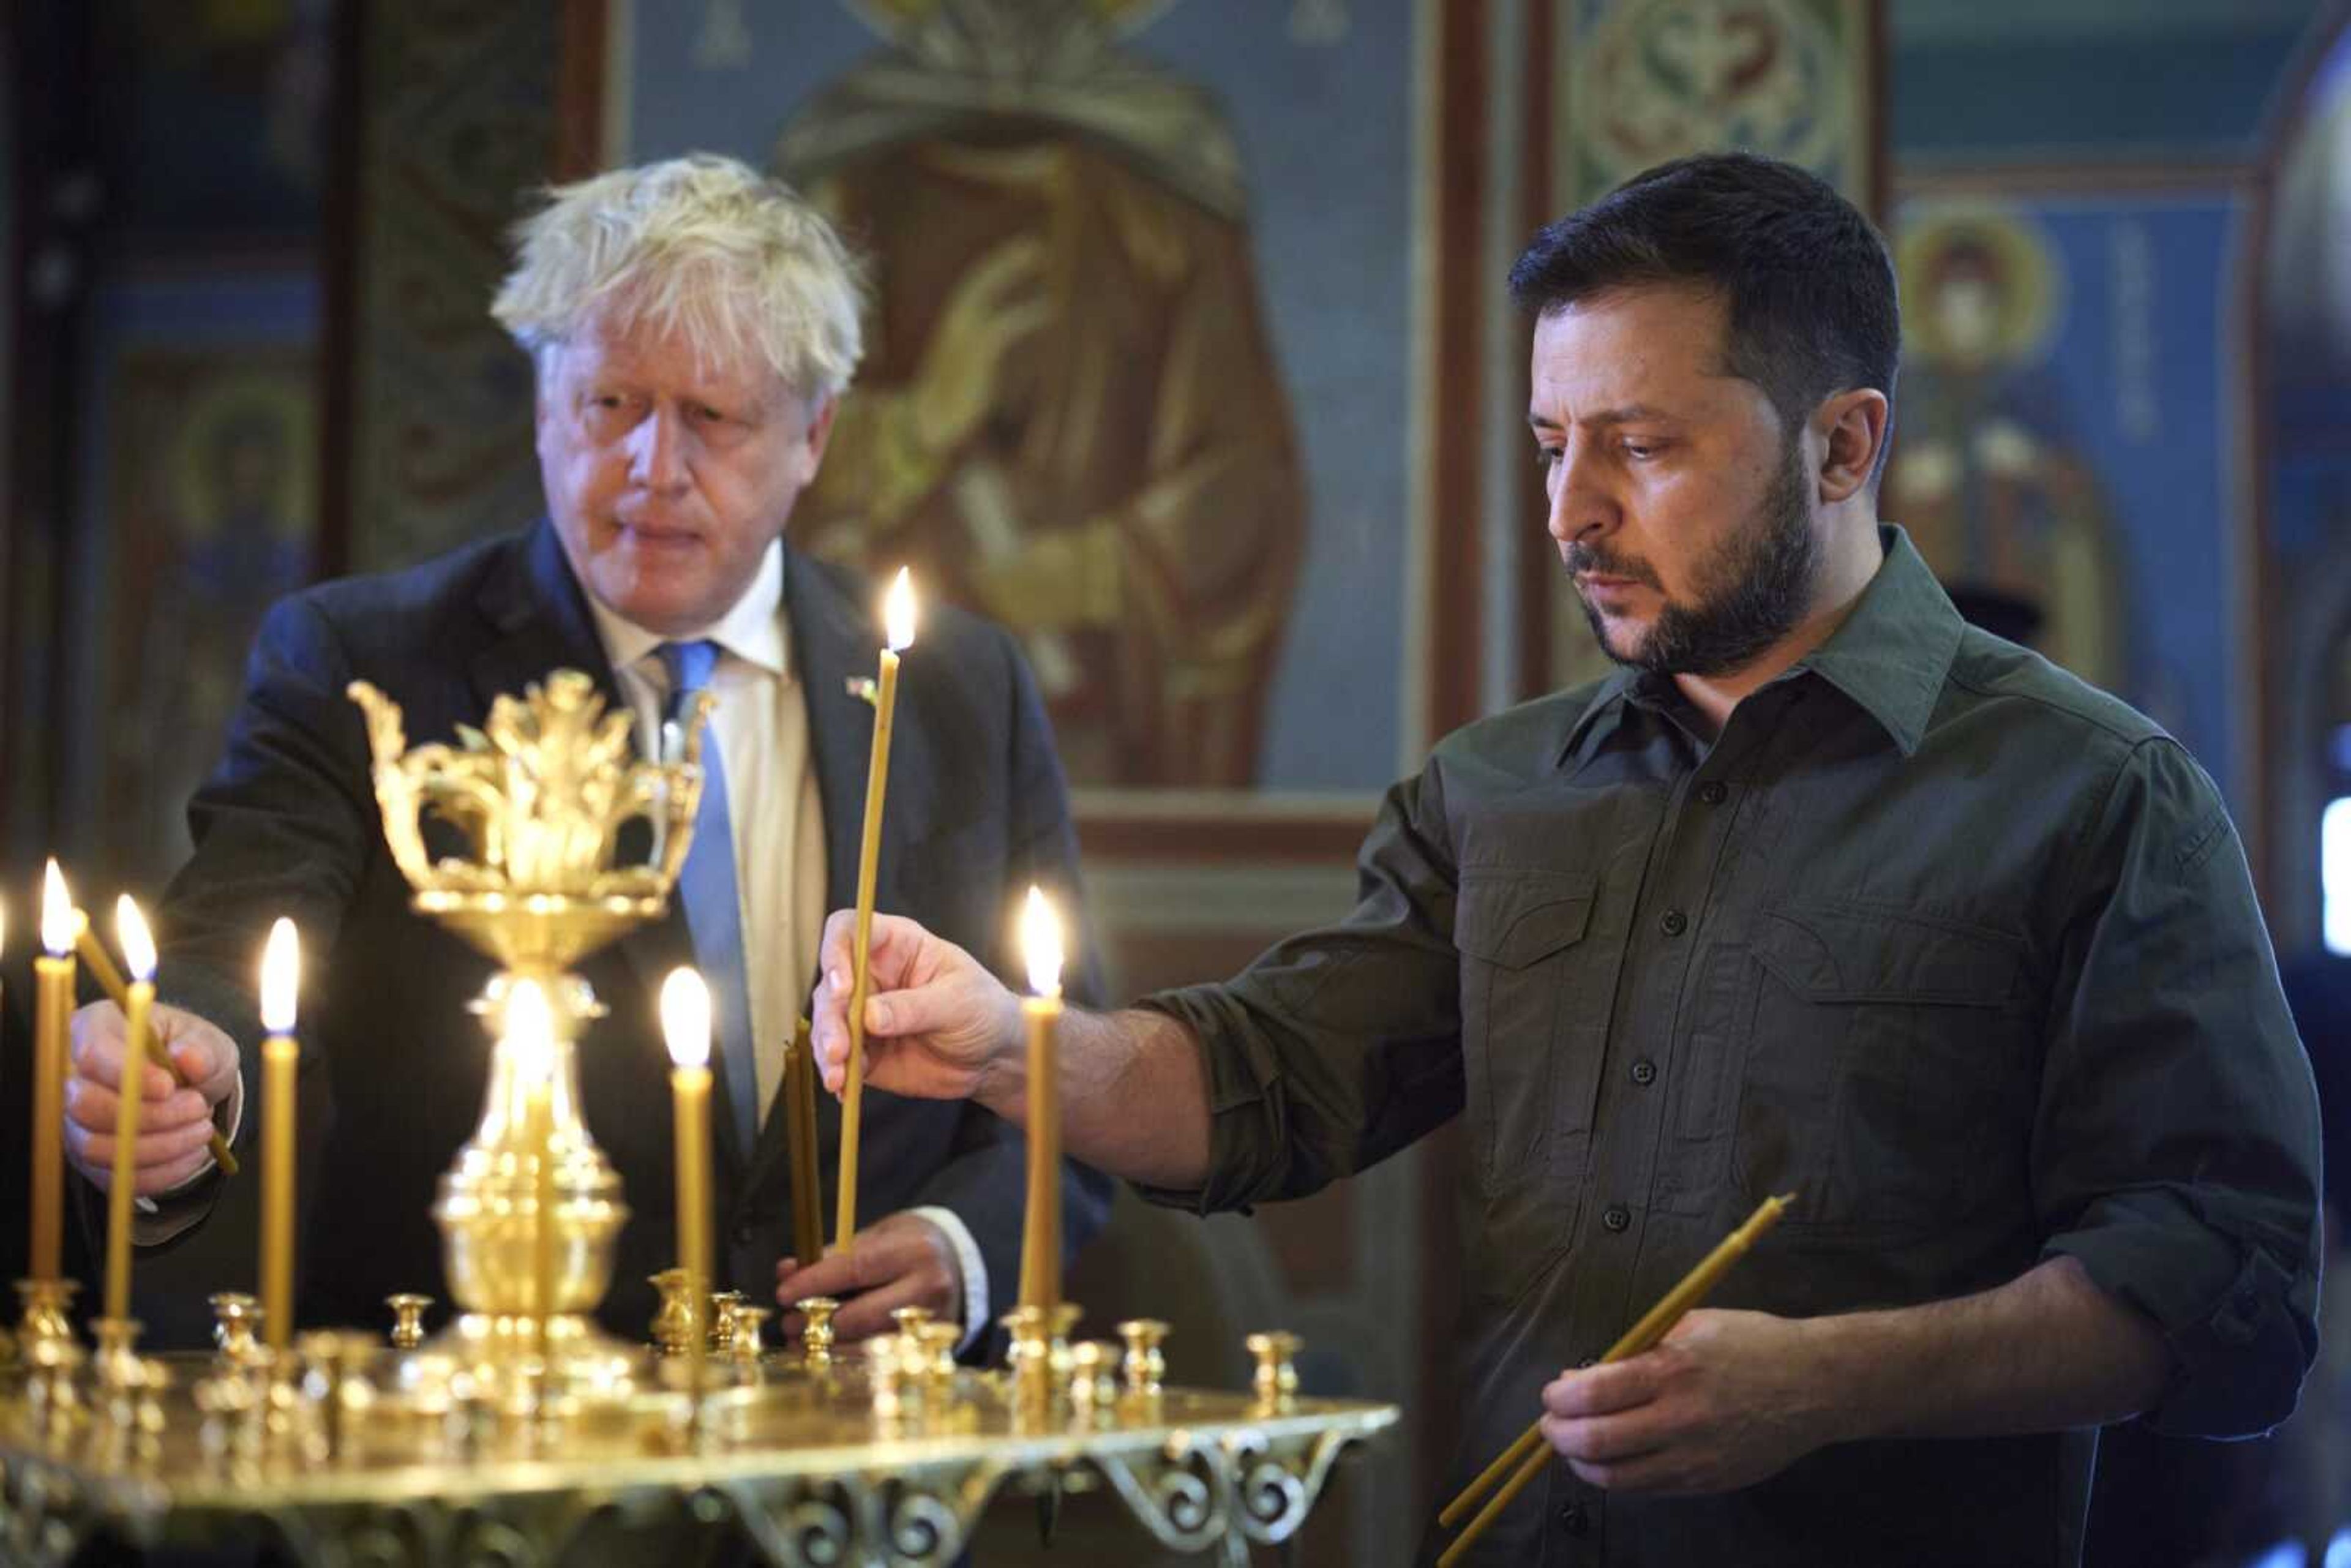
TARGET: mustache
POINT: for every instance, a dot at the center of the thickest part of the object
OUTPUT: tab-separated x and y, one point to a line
1584	557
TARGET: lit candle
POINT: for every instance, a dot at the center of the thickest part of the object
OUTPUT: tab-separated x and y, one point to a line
531	1036
799	1109
1040	1237
898	619
52	990
138	952
281	983
686	1023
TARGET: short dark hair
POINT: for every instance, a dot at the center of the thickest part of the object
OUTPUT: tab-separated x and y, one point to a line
1807	279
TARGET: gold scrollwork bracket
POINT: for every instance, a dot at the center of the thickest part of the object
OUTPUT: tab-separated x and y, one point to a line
531	1530
1278	1486
919	1520
1182	1494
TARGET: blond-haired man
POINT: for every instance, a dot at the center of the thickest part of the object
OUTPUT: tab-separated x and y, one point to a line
693	327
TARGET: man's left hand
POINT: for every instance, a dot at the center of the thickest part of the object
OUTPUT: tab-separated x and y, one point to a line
1725	1400
898	1260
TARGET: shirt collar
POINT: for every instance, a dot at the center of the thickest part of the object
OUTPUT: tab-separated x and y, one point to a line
1893	652
752	630
1889	656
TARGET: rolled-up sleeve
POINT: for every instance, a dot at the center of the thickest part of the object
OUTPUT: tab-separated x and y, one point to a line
2176	1147
1336	1048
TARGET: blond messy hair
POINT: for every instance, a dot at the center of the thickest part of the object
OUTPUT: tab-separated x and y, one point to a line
702	246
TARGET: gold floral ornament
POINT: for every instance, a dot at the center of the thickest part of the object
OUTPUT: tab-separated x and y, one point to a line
541	794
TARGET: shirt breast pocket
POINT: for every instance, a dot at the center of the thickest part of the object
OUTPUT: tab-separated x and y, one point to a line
1888	1075
1524	984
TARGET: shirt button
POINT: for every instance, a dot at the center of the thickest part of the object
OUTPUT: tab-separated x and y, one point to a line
1712	792
1616	1217
746	1233
1575	1520
1644	1072
1673	923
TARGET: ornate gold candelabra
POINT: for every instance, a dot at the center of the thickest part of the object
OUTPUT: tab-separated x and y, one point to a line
541	793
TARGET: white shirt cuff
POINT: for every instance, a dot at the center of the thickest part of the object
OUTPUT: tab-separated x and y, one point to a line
975	1271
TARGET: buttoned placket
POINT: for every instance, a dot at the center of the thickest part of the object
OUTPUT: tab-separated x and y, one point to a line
1646	1045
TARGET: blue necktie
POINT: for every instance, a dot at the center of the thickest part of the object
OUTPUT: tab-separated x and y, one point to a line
707	884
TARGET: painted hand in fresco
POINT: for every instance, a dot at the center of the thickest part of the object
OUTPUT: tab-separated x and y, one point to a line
996	304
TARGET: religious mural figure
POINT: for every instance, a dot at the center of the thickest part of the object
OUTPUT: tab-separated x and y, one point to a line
1070	418
1985	472
221	529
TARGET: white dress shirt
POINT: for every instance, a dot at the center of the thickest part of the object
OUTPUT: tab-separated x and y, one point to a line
760	725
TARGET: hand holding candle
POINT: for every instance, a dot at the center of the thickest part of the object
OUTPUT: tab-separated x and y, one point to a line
281	982
686	1024
898	617
138	952
109	980
1525	1460
1041	1236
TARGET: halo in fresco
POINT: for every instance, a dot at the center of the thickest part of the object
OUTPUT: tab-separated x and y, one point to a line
2024	287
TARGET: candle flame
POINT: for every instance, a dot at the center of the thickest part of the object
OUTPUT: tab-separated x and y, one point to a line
685	1017
898	612
57	914
281	977
530	1029
1040	943
138	942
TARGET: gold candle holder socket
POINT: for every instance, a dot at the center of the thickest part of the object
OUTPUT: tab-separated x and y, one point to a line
1029	1349
746	1333
335	1385
1093	1373
408	1310
885	1370
722	1319
53	1385
939	1343
48	1313
115	1363
1276	1380
817	1338
236	1326
1147	1362
910	1319
673	1325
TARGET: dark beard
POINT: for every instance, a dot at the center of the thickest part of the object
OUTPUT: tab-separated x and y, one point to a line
1751	595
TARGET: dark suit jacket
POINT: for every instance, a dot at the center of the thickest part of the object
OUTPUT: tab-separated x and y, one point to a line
393	1064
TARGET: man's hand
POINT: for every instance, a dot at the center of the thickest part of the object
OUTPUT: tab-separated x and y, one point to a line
900	1260
938	1025
1725	1400
175	1124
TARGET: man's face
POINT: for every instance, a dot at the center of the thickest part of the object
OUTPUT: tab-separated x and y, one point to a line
1682	510
667	478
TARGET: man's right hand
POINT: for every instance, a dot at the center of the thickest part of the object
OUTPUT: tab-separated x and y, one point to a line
175	1124
938	1025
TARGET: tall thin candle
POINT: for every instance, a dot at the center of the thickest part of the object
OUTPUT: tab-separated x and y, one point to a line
52	990
898	615
1041	1236
281	1054
686	1024
139	951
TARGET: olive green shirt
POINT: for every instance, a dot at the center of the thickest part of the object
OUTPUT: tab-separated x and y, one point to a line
1958	949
